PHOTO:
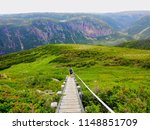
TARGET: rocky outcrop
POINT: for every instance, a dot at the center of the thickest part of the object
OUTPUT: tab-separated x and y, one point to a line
90	27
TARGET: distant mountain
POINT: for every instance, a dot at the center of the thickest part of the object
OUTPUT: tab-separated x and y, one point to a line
137	44
18	35
25	31
123	20
141	28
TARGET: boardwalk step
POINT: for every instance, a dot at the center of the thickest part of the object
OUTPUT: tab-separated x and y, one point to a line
70	111
69	103
70	106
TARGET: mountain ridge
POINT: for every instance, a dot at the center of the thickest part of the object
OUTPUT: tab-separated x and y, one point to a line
25	31
36	32
140	27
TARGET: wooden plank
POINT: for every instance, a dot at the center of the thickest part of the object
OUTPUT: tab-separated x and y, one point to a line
70	101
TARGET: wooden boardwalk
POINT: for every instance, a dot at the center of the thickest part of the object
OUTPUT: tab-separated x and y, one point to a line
70	102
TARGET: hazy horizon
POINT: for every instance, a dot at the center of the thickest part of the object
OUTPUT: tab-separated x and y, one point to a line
72	6
76	12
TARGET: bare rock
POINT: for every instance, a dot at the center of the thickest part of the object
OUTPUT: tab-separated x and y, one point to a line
54	104
59	93
38	91
50	92
55	79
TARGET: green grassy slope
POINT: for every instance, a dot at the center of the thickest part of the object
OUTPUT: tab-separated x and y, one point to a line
138	44
119	76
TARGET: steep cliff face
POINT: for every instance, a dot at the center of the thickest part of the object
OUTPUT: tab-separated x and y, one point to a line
90	27
31	33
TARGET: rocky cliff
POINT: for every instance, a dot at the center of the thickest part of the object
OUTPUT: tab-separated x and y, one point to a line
24	34
25	31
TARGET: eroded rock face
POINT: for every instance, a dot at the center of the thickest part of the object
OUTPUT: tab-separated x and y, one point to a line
31	33
91	27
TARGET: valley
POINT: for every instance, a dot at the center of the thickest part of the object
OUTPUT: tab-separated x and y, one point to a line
109	51
25	31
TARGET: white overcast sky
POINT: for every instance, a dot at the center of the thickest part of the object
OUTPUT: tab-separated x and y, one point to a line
25	6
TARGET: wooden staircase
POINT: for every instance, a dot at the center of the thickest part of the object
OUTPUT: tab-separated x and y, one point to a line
70	101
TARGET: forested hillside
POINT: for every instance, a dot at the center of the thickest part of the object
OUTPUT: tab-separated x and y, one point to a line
24	31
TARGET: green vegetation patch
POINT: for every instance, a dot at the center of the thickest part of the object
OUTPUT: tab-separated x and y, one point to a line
119	76
138	44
